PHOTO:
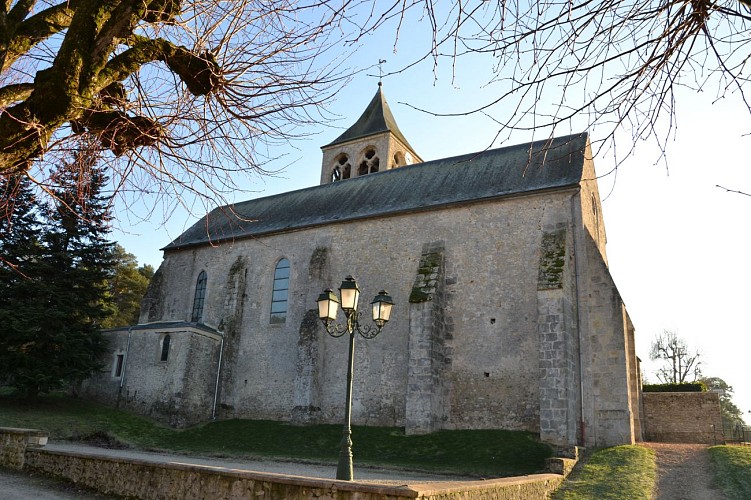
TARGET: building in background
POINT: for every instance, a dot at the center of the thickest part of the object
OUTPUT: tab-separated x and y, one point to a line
506	315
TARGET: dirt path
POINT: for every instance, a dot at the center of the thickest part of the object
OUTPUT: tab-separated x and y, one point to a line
683	472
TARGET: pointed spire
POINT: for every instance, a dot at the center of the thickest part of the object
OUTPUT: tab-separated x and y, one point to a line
376	119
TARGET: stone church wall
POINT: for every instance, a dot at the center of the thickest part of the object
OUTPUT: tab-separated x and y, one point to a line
178	391
490	299
505	316
104	386
607	336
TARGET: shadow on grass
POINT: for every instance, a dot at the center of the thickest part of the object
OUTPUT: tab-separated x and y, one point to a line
488	453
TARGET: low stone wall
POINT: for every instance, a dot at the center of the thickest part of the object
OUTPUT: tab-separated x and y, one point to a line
133	478
681	417
141	479
14	442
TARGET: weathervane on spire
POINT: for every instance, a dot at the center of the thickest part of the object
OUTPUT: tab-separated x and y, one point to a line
380	71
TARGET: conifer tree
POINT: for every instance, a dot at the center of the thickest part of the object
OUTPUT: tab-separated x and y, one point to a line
56	304
20	256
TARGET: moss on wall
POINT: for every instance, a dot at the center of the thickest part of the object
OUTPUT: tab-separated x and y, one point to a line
552	260
427	276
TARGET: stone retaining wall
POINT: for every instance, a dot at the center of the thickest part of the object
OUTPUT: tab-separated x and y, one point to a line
13	444
681	417
147	480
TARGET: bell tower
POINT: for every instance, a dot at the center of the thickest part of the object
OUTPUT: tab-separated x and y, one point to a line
373	144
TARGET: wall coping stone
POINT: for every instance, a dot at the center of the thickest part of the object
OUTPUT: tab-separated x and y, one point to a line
39	459
14	442
33	436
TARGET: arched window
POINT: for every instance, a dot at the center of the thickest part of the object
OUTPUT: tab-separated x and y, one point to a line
281	292
342	168
197	314
398	159
363	168
165	348
370	162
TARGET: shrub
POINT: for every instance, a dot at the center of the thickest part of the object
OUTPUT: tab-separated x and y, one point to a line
683	387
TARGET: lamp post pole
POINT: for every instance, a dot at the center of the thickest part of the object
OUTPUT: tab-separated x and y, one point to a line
328	304
344	469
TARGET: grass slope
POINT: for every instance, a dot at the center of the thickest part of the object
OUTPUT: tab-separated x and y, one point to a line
732	470
613	473
480	452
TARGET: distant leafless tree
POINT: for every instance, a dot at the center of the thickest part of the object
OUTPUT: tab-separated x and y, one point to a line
680	363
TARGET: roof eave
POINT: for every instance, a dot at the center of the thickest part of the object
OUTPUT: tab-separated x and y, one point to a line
402	211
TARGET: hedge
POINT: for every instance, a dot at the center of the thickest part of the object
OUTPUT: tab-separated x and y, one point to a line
684	387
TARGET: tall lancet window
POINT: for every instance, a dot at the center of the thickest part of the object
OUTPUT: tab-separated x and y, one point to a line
281	292
165	348
197	314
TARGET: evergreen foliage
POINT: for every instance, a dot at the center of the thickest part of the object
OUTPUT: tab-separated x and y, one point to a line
731	414
681	387
127	287
54	273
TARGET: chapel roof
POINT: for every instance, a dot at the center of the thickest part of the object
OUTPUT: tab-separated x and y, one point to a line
376	119
524	168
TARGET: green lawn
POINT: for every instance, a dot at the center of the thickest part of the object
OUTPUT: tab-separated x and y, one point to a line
613	473
610	473
732	470
481	452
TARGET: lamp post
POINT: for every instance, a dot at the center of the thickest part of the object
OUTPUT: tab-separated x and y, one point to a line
328	304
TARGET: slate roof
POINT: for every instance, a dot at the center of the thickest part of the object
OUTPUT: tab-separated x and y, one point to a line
525	168
376	119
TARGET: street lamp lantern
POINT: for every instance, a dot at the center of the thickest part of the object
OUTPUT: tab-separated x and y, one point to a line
328	304
382	305
350	294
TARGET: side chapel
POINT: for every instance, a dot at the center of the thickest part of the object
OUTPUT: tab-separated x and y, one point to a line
505	316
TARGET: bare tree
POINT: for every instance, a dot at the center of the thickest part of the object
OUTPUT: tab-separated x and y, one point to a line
187	94
680	362
178	95
610	65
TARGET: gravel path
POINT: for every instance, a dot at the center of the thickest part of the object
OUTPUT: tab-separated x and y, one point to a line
363	474
17	485
683	472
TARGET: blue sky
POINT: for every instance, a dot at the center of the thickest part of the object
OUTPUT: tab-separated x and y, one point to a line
678	246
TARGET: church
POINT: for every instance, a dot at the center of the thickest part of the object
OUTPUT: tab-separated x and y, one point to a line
505	315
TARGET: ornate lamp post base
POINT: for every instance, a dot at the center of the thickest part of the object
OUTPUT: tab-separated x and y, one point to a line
344	470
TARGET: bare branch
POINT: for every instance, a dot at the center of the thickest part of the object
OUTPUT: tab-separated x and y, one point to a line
732	190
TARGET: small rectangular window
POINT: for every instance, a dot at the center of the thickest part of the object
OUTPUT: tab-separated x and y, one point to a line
119	365
165	348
